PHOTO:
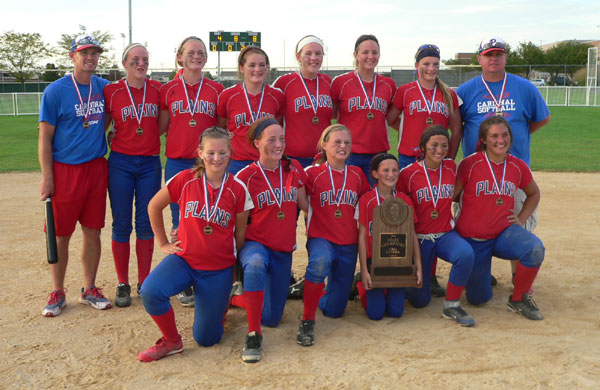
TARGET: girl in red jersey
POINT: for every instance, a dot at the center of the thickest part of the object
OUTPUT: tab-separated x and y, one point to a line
422	103
188	105
430	184
487	181
133	165
276	185
333	189
214	212
361	99
380	301
308	105
243	104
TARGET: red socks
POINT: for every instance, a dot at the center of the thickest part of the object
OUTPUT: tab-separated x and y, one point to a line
254	307
120	252
362	294
144	250
239	301
166	324
434	266
312	294
453	292
524	278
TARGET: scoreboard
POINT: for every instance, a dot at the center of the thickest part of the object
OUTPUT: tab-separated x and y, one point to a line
233	41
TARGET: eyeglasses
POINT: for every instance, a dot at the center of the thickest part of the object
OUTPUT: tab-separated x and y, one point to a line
82	41
492	44
213	130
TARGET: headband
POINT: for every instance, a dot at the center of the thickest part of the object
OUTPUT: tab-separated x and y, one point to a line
128	49
306	40
263	125
382	157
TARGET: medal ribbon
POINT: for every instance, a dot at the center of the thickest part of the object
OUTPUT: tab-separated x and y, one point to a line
428	104
210	211
280	200
498	189
496	102
191	106
314	103
138	115
87	111
377	193
262	95
371	102
434	196
338	199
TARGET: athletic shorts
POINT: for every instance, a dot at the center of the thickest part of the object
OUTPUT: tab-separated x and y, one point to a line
79	195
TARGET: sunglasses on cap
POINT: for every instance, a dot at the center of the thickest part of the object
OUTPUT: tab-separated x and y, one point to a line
85	41
493	43
428	46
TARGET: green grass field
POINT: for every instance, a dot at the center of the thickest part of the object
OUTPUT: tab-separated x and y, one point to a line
569	143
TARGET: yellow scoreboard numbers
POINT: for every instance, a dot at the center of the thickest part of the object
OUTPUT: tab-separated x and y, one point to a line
233	41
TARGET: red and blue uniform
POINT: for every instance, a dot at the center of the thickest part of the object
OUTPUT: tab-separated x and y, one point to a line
409	101
301	133
182	138
380	301
332	241
234	106
435	227
483	220
270	240
369	136
206	261
134	170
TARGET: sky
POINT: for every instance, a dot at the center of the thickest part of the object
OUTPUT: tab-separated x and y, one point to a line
400	26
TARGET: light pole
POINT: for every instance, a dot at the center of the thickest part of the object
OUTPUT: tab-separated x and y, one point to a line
129	21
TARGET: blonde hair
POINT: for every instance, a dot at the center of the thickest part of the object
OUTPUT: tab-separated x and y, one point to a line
213	132
325	137
446	94
180	48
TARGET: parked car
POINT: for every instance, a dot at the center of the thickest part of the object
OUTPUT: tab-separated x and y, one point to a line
562	80
538	82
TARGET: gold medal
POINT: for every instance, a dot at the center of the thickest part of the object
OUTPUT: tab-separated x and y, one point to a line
434	214
499	202
429	121
280	215
208	229
499	113
86	125
192	123
315	120
370	116
338	213
139	131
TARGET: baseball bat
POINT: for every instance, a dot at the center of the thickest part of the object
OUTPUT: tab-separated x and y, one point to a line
52	252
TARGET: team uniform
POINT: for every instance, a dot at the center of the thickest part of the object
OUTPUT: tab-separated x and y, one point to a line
182	137
416	110
379	301
234	106
332	237
207	259
364	113
483	220
434	227
134	170
302	130
270	240
79	167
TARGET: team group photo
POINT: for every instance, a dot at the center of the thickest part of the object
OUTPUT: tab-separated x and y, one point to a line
303	222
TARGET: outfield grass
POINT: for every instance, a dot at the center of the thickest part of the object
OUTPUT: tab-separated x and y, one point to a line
569	143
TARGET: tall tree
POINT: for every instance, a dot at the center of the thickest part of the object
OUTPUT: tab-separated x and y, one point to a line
566	53
526	54
107	59
21	52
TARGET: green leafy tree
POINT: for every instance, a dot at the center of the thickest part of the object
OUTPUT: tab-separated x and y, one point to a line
21	52
52	73
107	59
566	53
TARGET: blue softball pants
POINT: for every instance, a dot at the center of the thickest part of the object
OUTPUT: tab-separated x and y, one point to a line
450	247
268	270
336	263
132	177
385	301
237	165
513	243
363	161
211	295
173	167
404	160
